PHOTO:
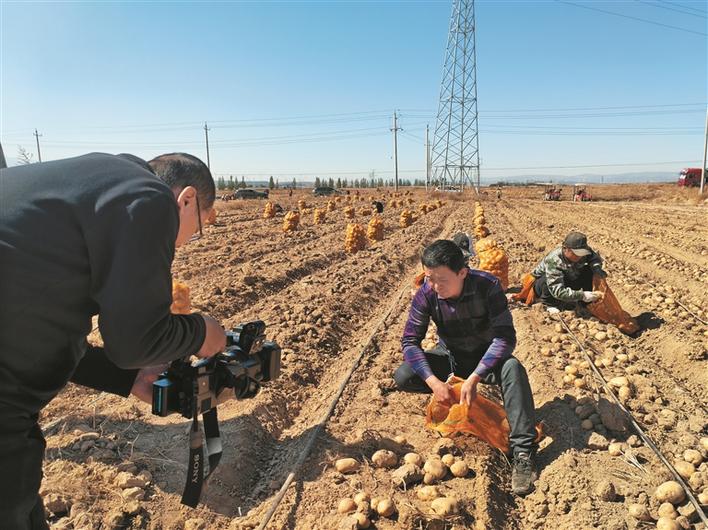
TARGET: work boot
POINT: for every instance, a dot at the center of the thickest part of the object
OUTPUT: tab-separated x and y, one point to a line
523	475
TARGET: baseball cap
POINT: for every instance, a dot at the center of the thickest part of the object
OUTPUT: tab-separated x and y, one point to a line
463	241
578	243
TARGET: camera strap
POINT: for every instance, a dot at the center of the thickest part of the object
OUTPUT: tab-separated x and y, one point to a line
196	473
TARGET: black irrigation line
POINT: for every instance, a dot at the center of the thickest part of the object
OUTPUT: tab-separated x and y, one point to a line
314	435
647	282
645	438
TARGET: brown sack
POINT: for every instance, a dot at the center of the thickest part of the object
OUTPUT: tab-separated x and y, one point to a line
527	295
484	419
609	310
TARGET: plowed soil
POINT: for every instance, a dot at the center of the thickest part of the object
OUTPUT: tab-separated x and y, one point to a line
323	305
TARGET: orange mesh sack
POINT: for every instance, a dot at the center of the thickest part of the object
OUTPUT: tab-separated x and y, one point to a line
493	259
181	304
609	310
484	419
527	295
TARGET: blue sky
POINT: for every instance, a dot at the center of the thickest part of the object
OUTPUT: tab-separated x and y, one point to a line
308	88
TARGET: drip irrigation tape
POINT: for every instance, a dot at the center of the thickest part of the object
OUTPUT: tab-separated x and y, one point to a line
645	438
314	434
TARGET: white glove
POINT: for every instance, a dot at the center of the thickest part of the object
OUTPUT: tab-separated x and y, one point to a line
591	296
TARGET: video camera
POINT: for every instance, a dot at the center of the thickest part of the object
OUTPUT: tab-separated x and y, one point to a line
193	388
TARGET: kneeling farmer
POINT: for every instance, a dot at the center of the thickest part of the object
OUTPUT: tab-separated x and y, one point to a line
564	276
476	338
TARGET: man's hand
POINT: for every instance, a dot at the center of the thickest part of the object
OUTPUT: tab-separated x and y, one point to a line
214	339
591	296
469	389
142	386
441	390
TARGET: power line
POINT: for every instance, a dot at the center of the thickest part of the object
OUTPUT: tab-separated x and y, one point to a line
367	116
619	107
523	127
633	18
671	9
283	120
594	114
590	133
684	6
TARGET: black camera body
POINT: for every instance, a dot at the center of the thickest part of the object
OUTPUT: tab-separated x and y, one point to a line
192	388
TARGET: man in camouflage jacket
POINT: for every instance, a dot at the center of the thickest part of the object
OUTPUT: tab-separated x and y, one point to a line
564	276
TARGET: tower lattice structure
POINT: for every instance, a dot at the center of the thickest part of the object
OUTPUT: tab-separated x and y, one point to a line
456	141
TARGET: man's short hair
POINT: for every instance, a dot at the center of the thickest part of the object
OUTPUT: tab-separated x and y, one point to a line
179	170
443	253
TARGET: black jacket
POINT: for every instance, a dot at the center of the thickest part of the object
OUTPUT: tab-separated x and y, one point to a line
83	236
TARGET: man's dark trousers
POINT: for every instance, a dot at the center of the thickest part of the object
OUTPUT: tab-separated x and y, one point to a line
543	295
510	375
21	455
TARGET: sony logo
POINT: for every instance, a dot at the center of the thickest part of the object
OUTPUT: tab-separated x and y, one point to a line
195	468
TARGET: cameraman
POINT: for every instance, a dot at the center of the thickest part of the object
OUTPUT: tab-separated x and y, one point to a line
84	236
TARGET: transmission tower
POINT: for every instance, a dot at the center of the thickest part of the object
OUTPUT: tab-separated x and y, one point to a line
456	140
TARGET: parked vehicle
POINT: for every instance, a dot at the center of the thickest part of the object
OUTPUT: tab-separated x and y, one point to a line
323	191
690	177
551	193
251	194
580	193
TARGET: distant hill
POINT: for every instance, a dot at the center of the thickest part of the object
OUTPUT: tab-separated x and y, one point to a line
590	178
586	178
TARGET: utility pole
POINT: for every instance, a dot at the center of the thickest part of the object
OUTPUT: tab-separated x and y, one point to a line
427	157
705	152
39	153
206	135
395	130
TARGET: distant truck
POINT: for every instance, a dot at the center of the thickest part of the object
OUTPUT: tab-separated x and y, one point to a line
690	177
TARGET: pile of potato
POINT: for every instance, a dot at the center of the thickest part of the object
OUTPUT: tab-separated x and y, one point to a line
423	208
349	212
331	205
406	218
493	259
375	230
301	204
318	217
291	221
355	239
269	211
478	219
181	304
406	473
365	211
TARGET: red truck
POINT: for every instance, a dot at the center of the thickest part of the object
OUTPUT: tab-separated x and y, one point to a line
690	177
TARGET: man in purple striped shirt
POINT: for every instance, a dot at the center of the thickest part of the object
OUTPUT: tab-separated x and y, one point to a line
476	339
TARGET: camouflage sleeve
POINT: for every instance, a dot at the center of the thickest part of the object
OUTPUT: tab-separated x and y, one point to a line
556	284
540	269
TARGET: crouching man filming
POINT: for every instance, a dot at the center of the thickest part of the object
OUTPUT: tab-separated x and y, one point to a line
91	235
476	339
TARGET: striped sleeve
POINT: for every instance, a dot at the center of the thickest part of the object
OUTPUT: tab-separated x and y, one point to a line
414	333
502	324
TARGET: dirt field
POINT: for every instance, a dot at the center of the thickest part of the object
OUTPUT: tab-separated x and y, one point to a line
111	464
